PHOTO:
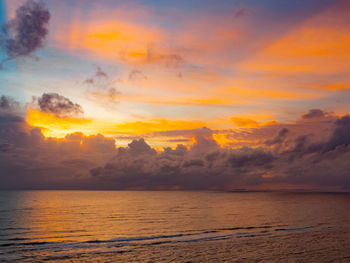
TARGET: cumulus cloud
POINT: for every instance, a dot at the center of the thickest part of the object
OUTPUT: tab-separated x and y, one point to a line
341	134
303	163
58	105
27	30
212	168
29	160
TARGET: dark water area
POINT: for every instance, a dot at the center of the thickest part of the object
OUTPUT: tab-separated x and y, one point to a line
173	226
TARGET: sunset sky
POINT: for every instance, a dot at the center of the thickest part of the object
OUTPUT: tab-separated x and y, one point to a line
247	80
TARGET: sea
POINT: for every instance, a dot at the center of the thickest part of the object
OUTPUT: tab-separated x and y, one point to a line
174	226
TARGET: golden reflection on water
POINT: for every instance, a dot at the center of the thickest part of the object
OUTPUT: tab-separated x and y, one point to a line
73	220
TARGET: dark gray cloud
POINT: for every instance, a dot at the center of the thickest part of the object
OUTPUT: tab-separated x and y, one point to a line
27	31
58	105
9	117
8	104
248	157
314	113
29	160
282	135
341	134
304	164
339	138
210	167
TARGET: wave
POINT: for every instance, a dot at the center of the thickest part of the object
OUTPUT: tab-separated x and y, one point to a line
293	228
125	244
124	239
23	244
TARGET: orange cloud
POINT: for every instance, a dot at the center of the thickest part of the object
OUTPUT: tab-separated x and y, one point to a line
53	126
128	40
244	122
249	123
320	45
111	39
330	86
142	127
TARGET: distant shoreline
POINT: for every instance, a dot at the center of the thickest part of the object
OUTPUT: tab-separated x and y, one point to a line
301	191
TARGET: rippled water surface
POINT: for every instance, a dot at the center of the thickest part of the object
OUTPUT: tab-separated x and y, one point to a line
63	225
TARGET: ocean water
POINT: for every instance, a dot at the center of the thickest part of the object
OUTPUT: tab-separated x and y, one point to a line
173	226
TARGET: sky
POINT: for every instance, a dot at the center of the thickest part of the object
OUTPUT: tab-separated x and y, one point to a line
241	94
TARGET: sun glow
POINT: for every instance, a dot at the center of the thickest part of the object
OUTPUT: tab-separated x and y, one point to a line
52	126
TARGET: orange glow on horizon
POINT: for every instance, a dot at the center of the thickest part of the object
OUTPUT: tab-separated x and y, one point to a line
52	126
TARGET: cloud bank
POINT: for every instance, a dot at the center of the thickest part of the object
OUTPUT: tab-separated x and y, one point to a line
29	160
300	161
302	164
